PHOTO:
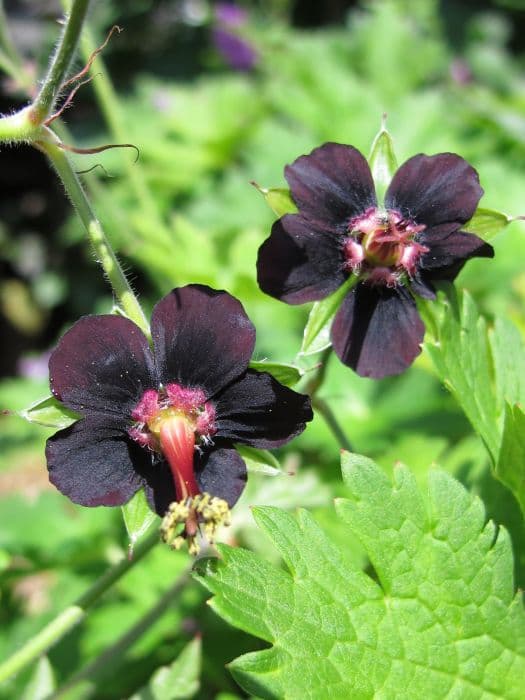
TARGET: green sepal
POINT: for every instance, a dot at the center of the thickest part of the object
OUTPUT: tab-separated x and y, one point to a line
382	161
486	223
278	199
286	374
316	336
49	412
138	518
260	461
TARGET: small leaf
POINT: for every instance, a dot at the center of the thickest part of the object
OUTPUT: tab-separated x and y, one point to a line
288	375
260	461
179	681
382	161
138	517
42	683
510	467
278	199
436	616
486	223
49	412
316	336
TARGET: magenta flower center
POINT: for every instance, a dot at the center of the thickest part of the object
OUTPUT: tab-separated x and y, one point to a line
382	246
175	421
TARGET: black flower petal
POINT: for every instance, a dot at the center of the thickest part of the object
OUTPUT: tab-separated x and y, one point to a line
332	184
257	410
300	261
435	190
447	250
377	330
94	463
103	364
202	338
221	472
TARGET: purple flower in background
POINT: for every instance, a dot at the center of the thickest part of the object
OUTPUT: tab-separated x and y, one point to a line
167	418
395	251
236	51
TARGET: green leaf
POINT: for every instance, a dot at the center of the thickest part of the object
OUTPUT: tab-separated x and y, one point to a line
461	355
486	223
382	161
288	375
49	412
438	616
316	336
42	682
138	517
510	467
508	352
278	199
259	460
180	680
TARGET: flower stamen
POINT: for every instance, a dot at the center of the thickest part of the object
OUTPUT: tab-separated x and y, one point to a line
204	510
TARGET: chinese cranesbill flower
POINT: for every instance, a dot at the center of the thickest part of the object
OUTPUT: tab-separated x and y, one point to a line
167	418
396	250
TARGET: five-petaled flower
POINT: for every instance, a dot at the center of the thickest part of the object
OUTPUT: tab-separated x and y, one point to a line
167	418
395	250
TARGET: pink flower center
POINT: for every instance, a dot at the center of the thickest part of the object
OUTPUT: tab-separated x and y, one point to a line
175	421
382	247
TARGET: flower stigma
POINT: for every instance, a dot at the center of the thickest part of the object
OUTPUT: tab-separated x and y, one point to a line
382	247
176	421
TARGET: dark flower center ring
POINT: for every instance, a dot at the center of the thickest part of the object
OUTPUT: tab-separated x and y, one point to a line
382	247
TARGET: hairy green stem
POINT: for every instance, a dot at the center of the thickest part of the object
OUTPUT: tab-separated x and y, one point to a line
73	614
45	100
107	258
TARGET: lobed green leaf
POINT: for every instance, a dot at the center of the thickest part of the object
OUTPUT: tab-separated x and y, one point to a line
437	618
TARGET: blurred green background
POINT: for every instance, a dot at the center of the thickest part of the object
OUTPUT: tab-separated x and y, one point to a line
210	113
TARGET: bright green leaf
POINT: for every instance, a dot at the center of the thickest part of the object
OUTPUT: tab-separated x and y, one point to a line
49	412
438	617
461	355
486	223
316	336
510	467
508	353
278	199
180	680
288	375
138	517
259	460
383	161
42	682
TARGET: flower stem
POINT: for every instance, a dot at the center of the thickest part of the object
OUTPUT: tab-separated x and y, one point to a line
331	421
50	90
103	249
73	614
321	406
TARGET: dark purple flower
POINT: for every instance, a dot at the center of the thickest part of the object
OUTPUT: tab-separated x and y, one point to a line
395	251
166	418
230	15
236	51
